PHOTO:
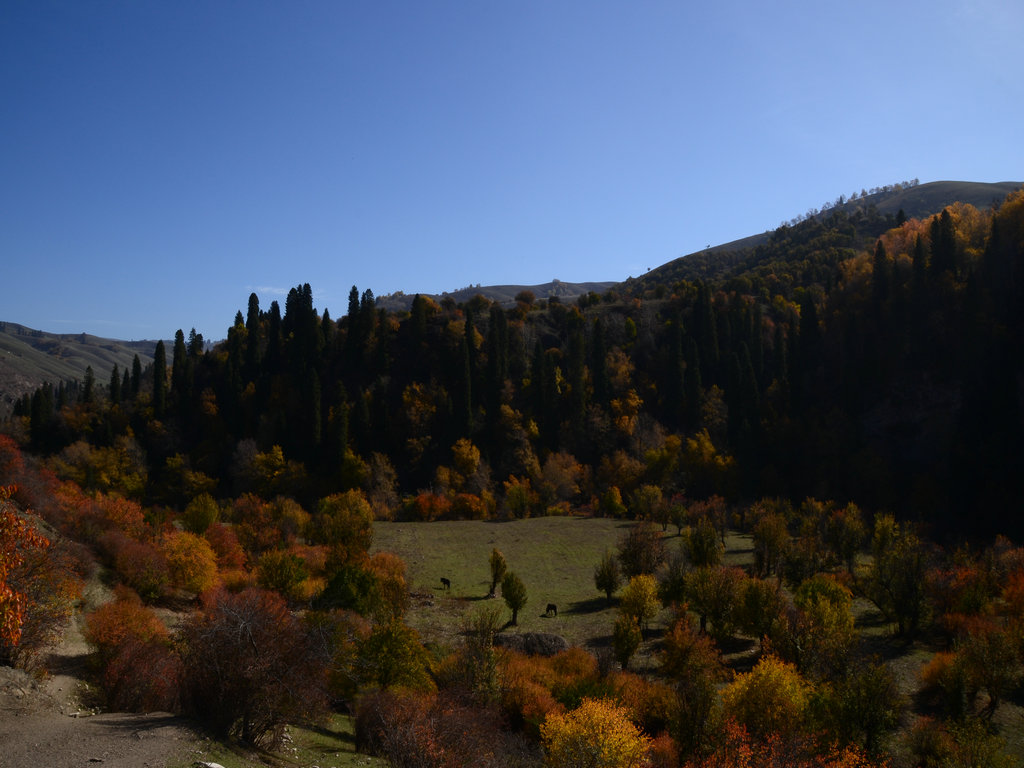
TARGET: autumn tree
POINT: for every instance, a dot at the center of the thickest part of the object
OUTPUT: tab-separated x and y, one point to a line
597	734
713	592
140	670
393	655
513	592
759	608
641	550
344	522
16	536
640	600
692	662
896	580
191	561
860	706
283	572
200	513
626	638
248	667
826	633
770	699
702	545
845	534
771	541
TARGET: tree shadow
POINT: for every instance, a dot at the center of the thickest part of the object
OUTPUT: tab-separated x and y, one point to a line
348	738
594	605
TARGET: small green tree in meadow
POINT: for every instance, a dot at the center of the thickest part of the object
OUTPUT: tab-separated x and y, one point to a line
498	569
641	550
640	599
606	575
702	544
514	593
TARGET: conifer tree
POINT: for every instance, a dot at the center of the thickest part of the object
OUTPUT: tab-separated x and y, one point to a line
136	375
599	365
178	363
115	385
89	385
159	380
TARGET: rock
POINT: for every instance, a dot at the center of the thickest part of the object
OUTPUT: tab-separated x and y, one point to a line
532	643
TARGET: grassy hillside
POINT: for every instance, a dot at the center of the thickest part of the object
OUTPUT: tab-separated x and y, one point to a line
29	357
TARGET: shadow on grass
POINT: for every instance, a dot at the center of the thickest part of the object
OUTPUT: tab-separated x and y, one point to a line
594	605
320	730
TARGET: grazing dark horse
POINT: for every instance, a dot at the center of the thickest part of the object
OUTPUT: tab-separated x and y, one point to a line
446	584
552	610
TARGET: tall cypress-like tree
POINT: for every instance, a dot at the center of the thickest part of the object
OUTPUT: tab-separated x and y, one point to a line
159	380
89	386
115	385
943	237
599	365
178	363
136	375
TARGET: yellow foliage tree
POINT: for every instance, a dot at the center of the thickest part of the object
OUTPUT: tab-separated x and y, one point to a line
639	599
597	734
770	699
191	561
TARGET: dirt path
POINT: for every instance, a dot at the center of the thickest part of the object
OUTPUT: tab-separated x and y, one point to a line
44	724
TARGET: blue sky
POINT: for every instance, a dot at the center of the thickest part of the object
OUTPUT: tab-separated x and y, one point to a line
159	161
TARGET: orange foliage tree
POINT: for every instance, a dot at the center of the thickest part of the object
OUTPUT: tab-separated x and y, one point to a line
140	669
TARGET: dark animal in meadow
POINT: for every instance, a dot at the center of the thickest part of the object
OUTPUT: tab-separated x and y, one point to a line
552	610
446	584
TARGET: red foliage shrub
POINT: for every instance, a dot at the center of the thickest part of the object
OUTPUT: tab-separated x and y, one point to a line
12	465
427	507
124	618
140	565
664	752
250	667
143	676
416	731
229	552
50	581
141	672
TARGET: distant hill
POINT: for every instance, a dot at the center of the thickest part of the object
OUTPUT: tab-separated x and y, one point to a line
29	357
503	294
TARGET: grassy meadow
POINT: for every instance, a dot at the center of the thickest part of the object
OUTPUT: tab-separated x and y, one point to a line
554	556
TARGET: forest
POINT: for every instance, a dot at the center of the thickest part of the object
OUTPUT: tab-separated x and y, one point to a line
845	397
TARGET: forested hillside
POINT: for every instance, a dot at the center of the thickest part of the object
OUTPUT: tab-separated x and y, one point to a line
29	357
853	356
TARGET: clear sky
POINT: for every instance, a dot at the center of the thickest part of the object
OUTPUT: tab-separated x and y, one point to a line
161	160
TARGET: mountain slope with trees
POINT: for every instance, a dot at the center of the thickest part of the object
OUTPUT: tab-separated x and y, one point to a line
855	356
30	357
